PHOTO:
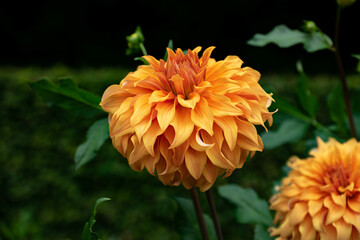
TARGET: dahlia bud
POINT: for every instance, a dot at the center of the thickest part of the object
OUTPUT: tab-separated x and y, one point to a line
310	26
135	41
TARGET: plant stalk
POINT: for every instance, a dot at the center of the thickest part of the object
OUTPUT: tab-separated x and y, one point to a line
199	214
342	76
211	202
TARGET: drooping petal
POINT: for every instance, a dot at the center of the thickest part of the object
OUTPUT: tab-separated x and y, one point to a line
183	126
195	162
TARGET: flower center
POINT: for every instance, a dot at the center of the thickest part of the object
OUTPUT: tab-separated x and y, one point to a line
338	176
183	71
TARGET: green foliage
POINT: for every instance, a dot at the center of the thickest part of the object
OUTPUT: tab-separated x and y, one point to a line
337	108
190	229
68	96
308	102
97	134
357	56
88	233
261	233
284	37
250	208
290	131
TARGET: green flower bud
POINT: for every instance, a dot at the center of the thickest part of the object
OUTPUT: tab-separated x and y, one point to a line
310	26
134	41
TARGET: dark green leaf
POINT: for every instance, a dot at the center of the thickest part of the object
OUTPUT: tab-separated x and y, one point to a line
284	37
290	131
142	60
191	230
308	102
68	96
95	137
261	233
337	108
87	233
250	208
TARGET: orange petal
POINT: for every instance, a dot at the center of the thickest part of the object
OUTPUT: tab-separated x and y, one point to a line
329	233
354	203
298	213
160	96
210	172
141	109
197	143
228	125
165	113
222	106
335	211
177	84
352	218
307	230
202	117
150	137
191	102
315	206
339	199
343	229
183	126
113	98
138	152
318	220
195	162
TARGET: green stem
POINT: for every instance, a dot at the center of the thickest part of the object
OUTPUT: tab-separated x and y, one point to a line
211	202
199	214
143	49
342	76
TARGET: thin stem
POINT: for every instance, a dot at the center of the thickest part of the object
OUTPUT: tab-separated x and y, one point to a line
199	214
210	199
143	49
342	75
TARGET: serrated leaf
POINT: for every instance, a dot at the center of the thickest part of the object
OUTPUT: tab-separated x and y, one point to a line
97	134
261	233
191	229
290	131
68	96
308	102
284	37
250	208
87	233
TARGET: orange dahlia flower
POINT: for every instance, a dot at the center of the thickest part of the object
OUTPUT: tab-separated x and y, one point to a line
320	199
188	119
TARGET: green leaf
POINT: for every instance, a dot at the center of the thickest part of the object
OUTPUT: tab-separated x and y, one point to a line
308	102
68	96
191	229
284	37
287	107
95	137
87	233
250	208
357	56
337	108
290	131
261	233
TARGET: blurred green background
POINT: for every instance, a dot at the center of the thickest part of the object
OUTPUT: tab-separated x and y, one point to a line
44	197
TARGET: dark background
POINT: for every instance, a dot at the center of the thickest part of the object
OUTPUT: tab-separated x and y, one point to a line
92	33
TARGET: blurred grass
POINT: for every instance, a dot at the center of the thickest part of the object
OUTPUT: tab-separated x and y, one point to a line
43	197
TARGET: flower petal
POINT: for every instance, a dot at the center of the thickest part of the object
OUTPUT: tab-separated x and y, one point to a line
195	162
229	127
202	117
183	126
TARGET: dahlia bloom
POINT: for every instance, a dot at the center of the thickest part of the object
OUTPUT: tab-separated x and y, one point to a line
188	119
320	198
